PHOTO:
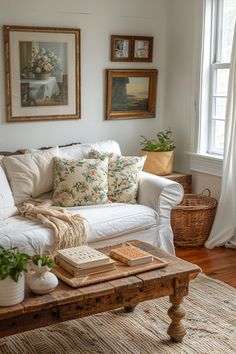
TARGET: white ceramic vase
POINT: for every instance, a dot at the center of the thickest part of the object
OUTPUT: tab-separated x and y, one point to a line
11	292
41	281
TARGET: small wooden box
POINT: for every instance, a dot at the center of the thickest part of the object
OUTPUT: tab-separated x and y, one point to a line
184	179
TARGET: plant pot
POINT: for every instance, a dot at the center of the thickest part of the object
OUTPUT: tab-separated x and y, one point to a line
158	163
11	292
42	76
41	281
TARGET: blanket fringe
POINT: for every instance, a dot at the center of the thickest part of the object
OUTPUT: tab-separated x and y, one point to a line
70	230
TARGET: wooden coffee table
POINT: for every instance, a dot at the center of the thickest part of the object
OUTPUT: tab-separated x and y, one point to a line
66	303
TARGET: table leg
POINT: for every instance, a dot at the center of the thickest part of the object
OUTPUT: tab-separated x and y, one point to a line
129	308
176	312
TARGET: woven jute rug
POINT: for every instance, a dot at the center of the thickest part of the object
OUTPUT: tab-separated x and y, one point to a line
210	324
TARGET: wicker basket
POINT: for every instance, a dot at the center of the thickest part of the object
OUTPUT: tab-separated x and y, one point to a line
192	220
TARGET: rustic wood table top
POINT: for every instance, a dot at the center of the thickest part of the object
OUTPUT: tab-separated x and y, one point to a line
66	303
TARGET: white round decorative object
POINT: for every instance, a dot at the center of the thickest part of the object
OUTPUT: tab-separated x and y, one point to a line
11	292
41	281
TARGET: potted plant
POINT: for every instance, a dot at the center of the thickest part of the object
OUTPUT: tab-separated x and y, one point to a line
41	280
159	151
12	280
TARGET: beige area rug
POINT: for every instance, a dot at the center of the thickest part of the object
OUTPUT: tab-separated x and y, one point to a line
210	324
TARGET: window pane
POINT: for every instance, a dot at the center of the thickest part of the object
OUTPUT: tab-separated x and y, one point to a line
221	85
229	16
219	135
219	107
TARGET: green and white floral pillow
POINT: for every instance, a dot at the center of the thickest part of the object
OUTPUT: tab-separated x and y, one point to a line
123	173
80	182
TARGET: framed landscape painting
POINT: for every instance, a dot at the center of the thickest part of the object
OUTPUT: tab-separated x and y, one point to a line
131	93
42	72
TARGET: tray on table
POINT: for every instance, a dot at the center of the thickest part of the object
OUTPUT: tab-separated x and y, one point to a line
121	270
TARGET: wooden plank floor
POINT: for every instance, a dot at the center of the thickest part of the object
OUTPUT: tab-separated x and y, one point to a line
219	263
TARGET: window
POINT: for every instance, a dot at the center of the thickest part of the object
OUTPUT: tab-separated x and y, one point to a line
220	16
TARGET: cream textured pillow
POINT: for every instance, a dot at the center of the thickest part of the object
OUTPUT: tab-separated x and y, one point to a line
7	205
80	182
123	173
81	151
31	174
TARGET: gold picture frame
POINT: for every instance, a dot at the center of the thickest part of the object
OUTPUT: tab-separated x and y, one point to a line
131	94
42	73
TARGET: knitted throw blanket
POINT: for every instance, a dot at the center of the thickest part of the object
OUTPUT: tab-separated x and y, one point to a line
70	230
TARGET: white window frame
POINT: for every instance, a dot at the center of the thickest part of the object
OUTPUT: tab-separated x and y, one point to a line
205	159
216	50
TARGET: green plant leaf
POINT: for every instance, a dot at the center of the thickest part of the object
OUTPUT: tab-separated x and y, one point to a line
162	142
12	263
42	261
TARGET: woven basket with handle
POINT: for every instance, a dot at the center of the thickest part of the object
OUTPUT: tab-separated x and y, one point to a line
192	219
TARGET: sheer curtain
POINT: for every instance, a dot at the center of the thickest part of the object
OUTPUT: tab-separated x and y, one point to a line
224	228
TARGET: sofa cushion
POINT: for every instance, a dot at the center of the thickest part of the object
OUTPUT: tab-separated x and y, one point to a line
31	174
7	205
80	182
123	174
105	222
81	151
111	220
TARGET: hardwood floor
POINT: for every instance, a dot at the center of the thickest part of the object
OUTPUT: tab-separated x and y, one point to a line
219	263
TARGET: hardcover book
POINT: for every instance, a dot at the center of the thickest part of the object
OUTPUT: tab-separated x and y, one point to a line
131	255
83	257
78	272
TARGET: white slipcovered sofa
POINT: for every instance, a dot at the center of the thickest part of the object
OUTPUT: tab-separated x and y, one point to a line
148	220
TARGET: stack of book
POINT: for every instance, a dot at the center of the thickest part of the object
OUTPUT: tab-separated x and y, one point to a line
131	255
83	261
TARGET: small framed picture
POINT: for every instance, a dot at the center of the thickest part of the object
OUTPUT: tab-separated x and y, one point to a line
142	48
121	48
131	94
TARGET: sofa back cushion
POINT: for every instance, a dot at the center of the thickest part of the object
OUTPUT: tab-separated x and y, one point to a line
31	174
80	182
7	205
81	151
123	173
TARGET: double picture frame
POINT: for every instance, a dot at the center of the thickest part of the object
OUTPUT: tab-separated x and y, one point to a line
131	48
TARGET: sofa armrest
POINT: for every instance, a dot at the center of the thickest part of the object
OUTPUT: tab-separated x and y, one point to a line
159	193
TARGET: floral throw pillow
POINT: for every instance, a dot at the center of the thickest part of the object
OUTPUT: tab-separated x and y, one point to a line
123	173
80	182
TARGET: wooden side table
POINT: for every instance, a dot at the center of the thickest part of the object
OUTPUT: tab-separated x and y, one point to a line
184	179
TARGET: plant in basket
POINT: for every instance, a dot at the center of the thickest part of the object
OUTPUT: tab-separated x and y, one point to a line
159	151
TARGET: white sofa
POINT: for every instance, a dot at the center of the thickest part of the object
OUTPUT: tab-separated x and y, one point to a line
148	220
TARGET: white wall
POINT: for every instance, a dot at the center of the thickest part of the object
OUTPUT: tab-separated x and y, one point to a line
184	21
97	21
176	27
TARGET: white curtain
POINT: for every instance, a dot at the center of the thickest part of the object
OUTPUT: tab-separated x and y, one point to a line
224	228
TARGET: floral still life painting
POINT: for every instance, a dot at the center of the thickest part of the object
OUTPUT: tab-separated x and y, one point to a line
43	73
42	67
